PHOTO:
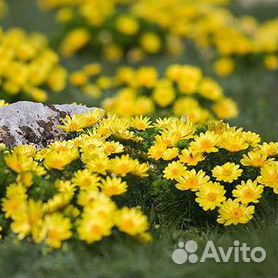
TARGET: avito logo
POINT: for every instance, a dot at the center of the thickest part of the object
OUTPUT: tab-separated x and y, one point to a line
236	253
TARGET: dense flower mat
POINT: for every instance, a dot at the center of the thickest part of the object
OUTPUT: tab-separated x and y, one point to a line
136	29
182	90
29	68
113	174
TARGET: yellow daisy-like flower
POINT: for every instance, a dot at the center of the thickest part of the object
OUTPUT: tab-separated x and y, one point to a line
174	171
170	153
99	165
113	186
58	228
131	221
205	142
72	124
248	192
123	165
224	66
113	147
269	149
232	212
269	176
233	141
228	172
211	195
156	152
192	180
93	228
254	159
141	123
225	109
85	179
191	158
252	138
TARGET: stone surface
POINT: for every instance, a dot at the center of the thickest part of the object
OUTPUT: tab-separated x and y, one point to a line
27	122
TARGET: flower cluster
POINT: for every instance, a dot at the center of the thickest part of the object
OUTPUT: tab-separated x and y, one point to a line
28	66
232	185
111	28
134	29
91	80
182	90
92	185
65	191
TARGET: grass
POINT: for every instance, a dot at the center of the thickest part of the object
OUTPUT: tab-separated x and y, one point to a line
255	90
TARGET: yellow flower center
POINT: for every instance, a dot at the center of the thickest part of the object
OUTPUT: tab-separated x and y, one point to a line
249	194
227	172
206	144
212	197
236	213
175	172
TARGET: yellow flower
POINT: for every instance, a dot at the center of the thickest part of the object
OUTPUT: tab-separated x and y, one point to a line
122	165
57	229
224	66
25	178
131	221
174	171
205	143
248	192
170	153
78	78
210	89
227	172
269	176
254	159
85	179
29	219
192	180
151	43
113	147
59	157
113	186
127	25
77	123
75	40
15	200
232	212
252	138
233	141
113	53
3	103
92	229
269	149
191	158
92	69
164	93
20	163
141	169
146	77
99	165
188	79
225	109
72	124
141	123
271	62
211	195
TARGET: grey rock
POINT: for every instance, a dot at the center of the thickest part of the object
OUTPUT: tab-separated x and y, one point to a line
33	123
